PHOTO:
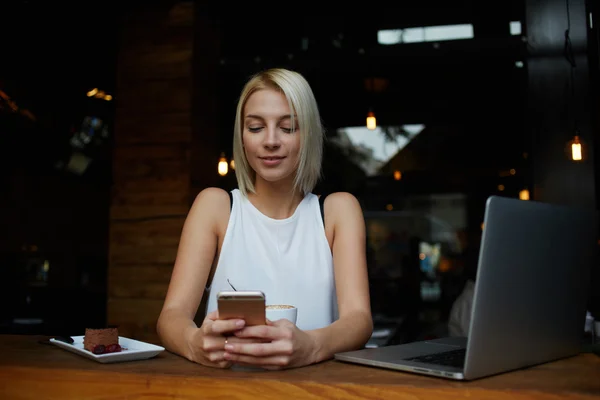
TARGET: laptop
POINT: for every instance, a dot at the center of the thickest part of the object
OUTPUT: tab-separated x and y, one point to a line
529	302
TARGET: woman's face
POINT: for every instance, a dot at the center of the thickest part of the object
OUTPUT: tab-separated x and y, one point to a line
271	143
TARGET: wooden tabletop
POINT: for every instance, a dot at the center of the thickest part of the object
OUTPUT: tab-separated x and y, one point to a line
32	370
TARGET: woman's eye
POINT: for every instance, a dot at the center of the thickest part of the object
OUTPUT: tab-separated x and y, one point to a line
288	130
254	129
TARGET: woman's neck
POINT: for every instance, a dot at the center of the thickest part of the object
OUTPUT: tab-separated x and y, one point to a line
276	201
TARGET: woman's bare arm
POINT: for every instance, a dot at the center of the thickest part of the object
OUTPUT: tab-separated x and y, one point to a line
354	327
195	256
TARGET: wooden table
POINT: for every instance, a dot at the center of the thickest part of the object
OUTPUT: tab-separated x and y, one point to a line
30	370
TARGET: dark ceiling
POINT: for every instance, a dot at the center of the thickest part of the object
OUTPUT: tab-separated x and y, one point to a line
52	52
52	44
471	84
53	49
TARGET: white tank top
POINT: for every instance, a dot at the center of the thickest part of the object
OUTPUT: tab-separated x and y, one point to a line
288	259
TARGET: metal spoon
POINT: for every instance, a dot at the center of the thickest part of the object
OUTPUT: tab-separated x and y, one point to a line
231	285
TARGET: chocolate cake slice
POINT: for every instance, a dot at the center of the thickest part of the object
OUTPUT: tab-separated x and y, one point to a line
102	340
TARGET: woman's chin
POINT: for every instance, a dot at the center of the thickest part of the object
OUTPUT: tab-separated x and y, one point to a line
275	177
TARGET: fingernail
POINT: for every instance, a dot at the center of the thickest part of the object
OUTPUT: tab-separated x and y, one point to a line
240	323
228	347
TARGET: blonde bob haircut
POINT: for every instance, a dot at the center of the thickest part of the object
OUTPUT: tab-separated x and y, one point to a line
304	108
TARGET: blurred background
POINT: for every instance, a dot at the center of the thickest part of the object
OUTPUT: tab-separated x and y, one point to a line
114	116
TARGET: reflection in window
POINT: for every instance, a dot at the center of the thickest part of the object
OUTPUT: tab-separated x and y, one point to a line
425	34
93	131
515	28
371	149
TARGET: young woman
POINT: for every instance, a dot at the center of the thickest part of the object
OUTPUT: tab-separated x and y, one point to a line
271	235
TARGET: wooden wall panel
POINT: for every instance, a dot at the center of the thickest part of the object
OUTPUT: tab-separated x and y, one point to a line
151	163
154	96
130	205
135	317
145	241
171	127
157	168
178	66
152	280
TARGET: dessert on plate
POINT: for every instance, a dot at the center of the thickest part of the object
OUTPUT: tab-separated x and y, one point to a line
102	340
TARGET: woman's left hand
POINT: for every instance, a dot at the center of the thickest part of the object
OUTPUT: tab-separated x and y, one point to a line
285	346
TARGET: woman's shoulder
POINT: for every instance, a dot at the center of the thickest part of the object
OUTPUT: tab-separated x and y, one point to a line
211	202
212	195
342	199
341	203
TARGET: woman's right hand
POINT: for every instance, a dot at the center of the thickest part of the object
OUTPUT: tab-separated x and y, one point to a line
207	342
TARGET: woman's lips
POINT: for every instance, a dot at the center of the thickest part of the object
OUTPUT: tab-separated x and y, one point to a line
271	161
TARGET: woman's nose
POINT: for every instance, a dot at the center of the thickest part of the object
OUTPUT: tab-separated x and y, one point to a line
272	139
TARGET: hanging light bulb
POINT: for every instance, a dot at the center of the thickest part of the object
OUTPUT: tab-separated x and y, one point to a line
524	194
371	121
575	148
232	164
222	167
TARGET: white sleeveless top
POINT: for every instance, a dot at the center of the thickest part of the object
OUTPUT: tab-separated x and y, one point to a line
288	259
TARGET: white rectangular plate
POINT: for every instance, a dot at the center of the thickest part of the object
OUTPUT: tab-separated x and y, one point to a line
132	350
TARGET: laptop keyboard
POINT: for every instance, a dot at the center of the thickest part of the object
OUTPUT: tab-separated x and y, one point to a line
452	358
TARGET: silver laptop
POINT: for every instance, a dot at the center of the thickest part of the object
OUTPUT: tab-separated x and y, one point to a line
529	302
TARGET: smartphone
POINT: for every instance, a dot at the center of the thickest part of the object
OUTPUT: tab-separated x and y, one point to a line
248	305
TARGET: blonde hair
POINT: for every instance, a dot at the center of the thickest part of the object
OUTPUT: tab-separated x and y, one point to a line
303	106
